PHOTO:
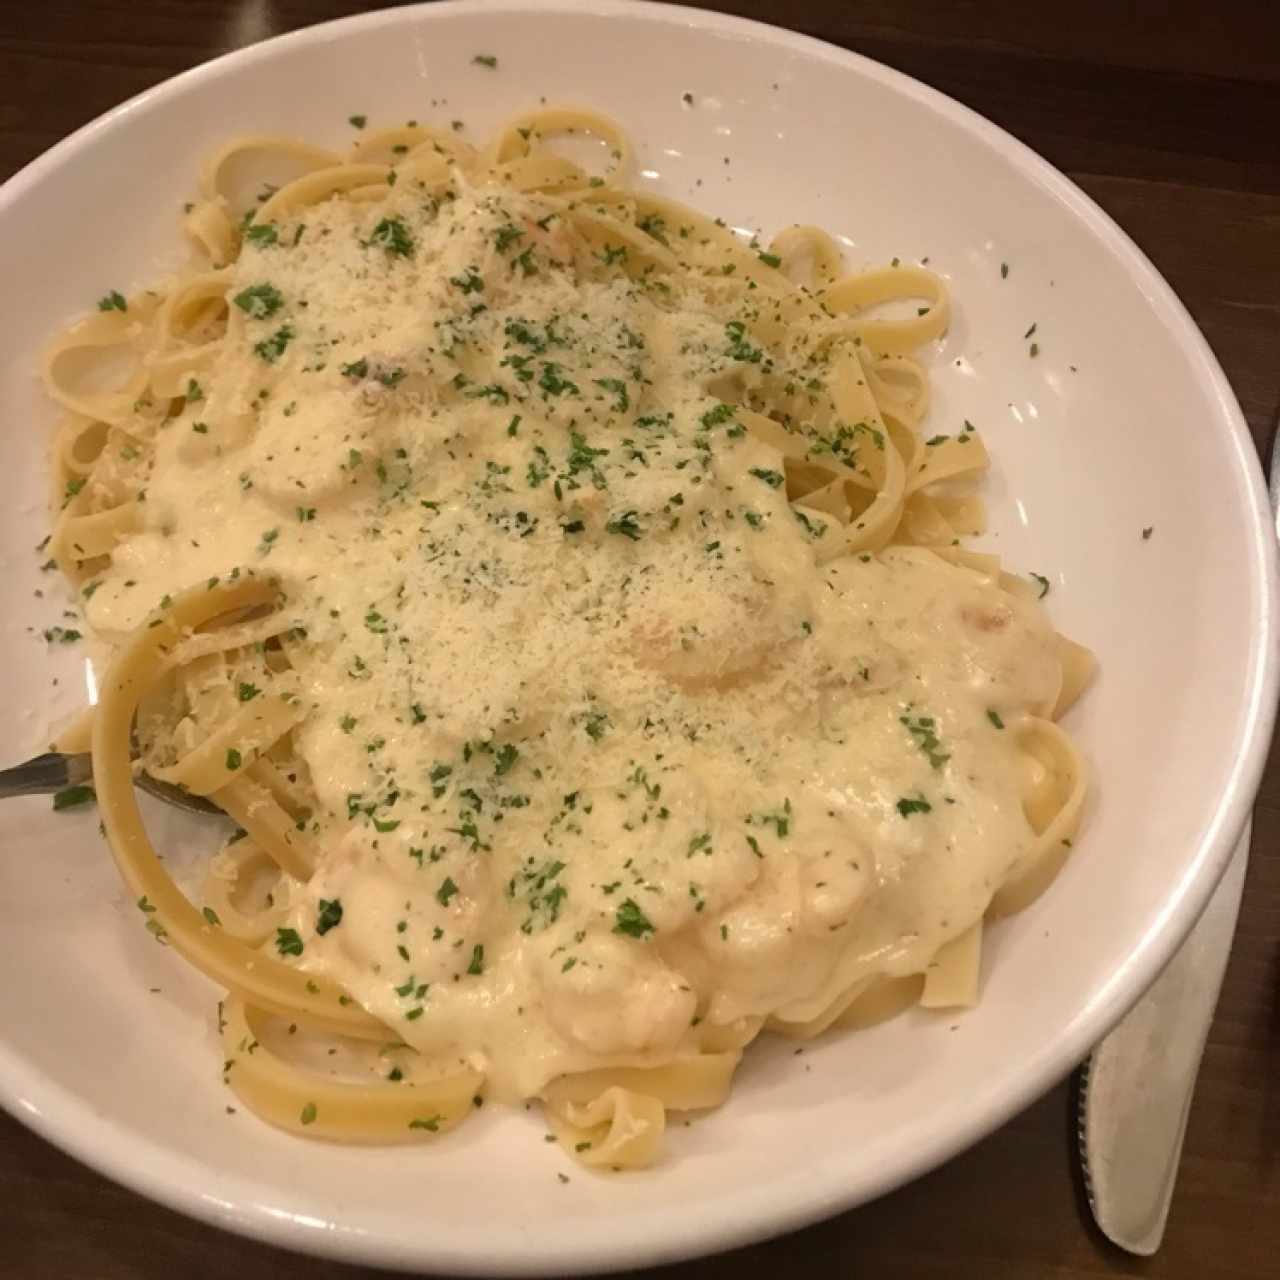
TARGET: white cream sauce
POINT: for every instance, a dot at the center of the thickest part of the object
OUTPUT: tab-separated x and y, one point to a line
602	756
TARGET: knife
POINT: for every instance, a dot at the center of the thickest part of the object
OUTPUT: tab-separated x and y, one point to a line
1135	1090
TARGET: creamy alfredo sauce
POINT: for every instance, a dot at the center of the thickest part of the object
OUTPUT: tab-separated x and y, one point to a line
602	755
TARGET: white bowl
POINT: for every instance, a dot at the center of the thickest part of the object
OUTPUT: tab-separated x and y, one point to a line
1122	422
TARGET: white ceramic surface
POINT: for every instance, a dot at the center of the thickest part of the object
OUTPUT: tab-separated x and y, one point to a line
1121	422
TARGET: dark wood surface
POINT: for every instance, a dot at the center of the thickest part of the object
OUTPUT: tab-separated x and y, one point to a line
1168	114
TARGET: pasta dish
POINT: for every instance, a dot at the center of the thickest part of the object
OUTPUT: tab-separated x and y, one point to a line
563	596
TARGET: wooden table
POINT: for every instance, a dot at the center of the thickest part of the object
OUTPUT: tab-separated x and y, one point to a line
1171	121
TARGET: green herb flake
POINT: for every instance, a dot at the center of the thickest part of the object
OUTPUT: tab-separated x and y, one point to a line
924	730
330	916
288	942
622	401
629	919
507	236
73	798
625	525
392	235
113	301
271	349
259	301
471	282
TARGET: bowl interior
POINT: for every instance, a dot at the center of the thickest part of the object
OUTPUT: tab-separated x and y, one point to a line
1119	422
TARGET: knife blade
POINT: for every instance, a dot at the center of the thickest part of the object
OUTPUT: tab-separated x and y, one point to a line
1136	1088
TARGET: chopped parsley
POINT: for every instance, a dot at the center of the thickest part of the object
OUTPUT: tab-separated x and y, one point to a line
622	401
739	348
272	348
113	301
476	967
259	301
392	235
553	382
538	886
471	282
288	942
485	60
330	916
507	236
779	820
924	730
626	525
630	920
913	804
73	797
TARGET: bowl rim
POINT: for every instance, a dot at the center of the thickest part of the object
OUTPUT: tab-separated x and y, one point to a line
110	1148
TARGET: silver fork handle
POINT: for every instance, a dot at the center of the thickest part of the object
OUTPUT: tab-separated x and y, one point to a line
45	774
